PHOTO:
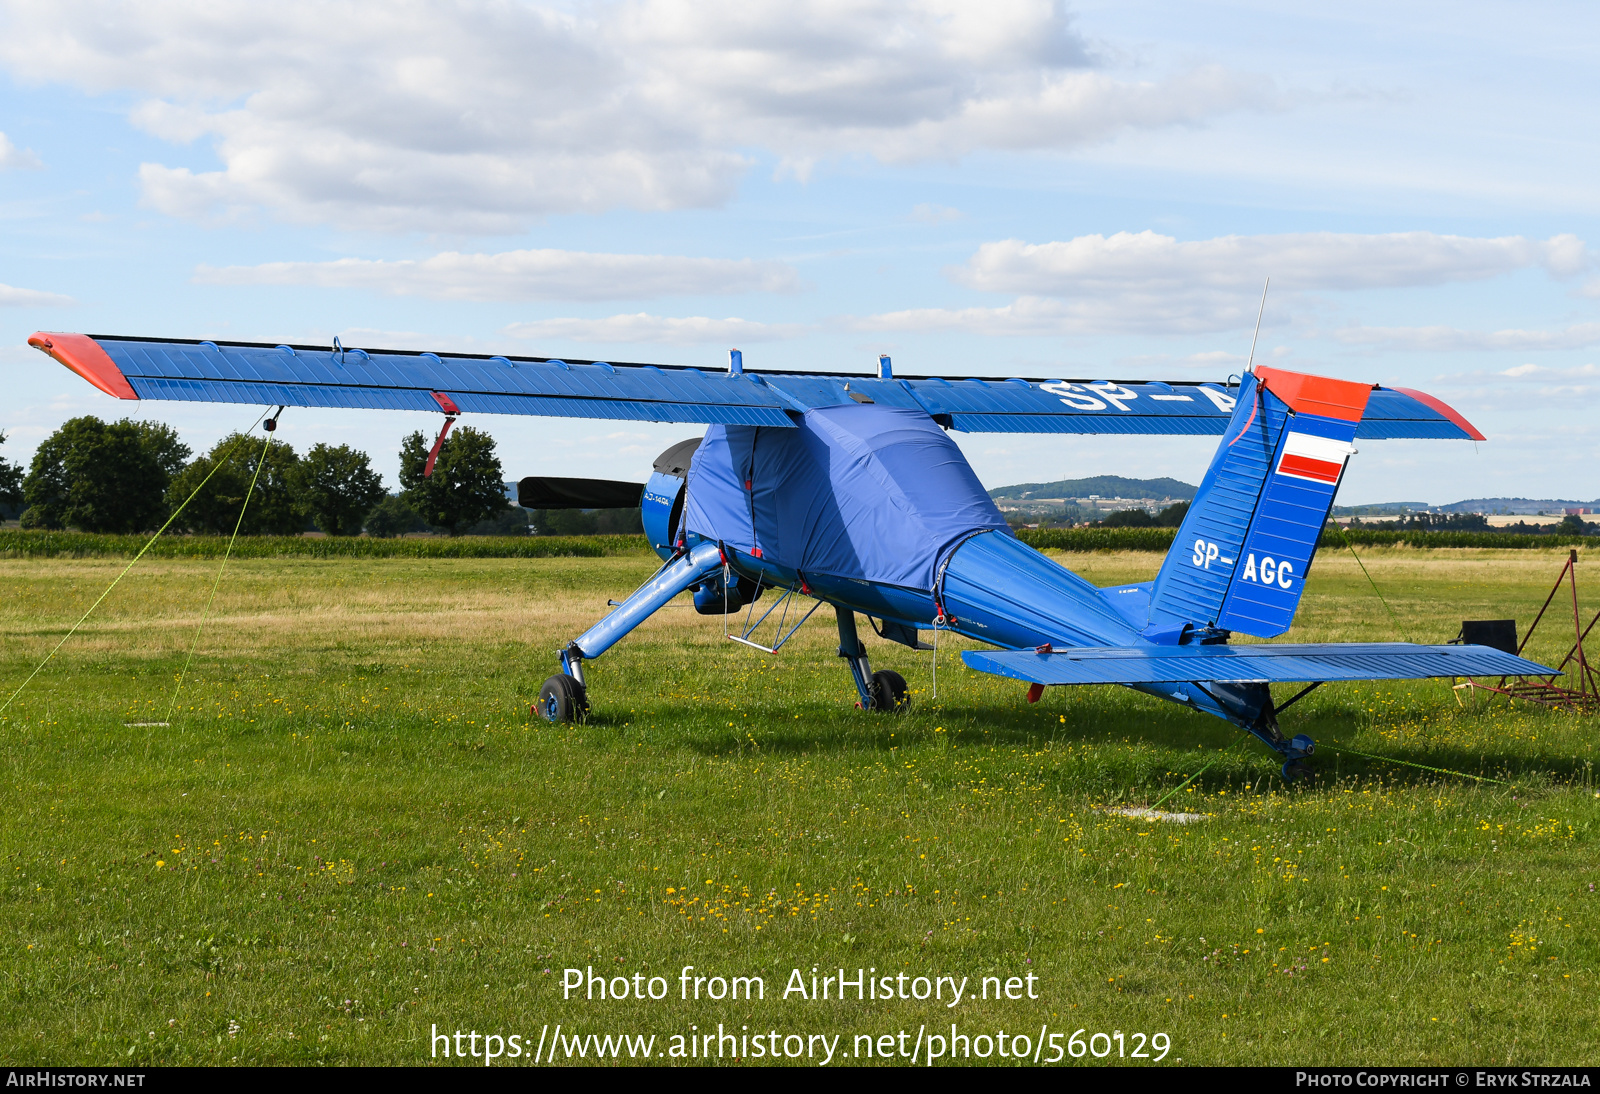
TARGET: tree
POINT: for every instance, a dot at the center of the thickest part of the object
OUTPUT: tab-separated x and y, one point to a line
337	487
162	442
10	484
585	522
393	517
510	521
1172	516
274	510
466	484
102	477
1428	522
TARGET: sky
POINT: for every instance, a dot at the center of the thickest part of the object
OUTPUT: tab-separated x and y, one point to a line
1004	188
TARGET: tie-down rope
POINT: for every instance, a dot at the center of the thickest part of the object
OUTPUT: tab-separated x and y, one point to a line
129	566
261	462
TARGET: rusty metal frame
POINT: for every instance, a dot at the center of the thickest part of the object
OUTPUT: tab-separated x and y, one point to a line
1583	699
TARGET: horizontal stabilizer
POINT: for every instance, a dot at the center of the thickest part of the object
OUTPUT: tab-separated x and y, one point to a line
545	492
1277	663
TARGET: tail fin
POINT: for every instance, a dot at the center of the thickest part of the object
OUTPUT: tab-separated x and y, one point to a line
1241	556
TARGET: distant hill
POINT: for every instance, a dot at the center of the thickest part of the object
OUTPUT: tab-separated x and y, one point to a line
1107	486
1514	505
1115	486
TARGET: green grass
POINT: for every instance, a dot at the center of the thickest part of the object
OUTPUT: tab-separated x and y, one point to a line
352	831
1160	539
15	543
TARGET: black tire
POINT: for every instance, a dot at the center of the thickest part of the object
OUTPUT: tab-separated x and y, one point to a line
888	691
1297	771
562	699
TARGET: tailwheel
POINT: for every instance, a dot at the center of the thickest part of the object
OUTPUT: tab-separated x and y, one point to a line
562	699
1296	767
888	692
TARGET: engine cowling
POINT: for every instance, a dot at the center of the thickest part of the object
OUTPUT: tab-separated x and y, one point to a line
661	504
661	508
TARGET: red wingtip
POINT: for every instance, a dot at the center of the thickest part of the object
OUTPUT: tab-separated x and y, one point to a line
84	356
1443	408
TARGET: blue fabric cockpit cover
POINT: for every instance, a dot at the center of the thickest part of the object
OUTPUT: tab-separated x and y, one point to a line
864	491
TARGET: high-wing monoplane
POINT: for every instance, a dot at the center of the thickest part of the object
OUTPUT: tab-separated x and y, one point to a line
829	488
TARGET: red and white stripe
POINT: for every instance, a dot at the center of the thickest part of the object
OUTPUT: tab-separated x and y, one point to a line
1313	458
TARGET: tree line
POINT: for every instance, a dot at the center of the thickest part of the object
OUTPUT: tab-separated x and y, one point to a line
1568	525
1074	516
131	476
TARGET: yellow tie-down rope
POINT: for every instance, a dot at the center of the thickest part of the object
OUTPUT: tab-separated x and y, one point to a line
148	544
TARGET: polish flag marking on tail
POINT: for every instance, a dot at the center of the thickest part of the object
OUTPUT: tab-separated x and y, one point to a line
1316	459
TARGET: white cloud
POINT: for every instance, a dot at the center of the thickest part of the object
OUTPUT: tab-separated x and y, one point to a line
1545	372
13	158
1144	282
480	115
666	330
1028	315
1216	361
1578	384
522	275
928	213
375	338
1133	312
31	298
1453	339
1145	261
1527	386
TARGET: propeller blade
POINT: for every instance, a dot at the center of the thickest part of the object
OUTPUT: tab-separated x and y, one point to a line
545	492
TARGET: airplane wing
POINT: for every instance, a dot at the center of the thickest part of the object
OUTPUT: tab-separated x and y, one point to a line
241	372
1275	663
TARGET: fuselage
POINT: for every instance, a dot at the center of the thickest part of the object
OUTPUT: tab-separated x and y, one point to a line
996	589
875	511
993	588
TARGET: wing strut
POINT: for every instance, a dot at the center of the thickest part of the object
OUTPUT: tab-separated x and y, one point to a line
448	405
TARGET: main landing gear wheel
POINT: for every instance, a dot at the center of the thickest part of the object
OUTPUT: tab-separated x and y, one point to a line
1296	767
888	692
562	699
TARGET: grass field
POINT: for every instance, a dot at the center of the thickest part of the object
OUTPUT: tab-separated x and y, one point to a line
352	832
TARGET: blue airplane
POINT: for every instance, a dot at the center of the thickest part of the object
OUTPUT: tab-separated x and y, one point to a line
828	488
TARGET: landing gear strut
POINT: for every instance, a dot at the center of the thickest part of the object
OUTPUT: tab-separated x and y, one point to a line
882	691
1250	707
564	698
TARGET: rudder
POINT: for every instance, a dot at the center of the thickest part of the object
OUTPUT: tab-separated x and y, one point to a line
1241	556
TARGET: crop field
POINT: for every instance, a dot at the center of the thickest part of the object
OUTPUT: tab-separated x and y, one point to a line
352	834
